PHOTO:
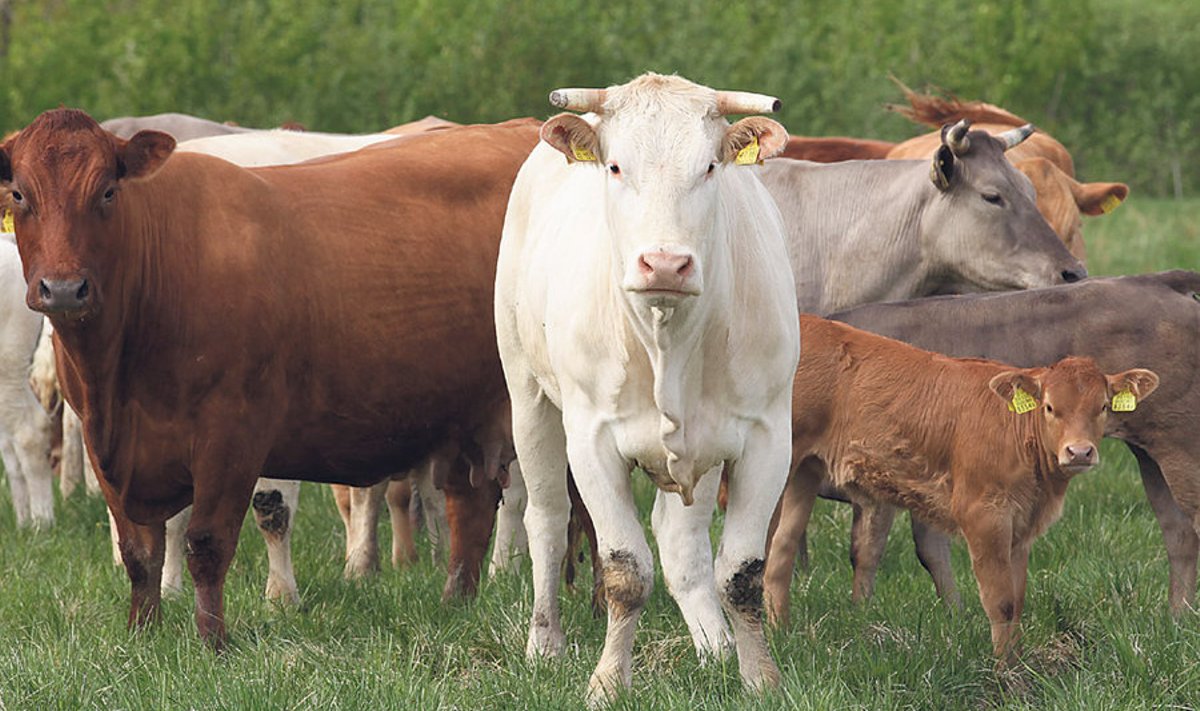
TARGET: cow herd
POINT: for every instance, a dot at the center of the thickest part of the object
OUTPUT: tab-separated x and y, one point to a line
523	314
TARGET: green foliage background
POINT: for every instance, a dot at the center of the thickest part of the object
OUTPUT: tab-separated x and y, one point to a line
1118	81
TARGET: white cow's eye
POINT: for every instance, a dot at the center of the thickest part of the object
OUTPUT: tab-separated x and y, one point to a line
614	169
711	168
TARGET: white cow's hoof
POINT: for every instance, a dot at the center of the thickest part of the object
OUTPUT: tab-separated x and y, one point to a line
545	642
361	565
762	676
603	689
282	593
717	648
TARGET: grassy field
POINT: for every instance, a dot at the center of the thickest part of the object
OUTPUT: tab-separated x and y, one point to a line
1097	635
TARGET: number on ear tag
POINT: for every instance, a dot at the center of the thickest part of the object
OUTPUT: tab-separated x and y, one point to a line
7	225
1022	402
749	154
1109	204
582	154
1124	401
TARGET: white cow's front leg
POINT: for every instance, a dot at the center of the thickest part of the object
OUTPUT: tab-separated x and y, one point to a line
362	542
174	554
274	504
627	565
16	480
510	541
755	484
686	552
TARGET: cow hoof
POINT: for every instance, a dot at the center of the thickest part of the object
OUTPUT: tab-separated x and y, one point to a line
282	594
767	676
544	642
360	566
603	689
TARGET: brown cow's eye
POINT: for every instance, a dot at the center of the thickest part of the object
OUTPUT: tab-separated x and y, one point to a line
108	194
1049	410
17	197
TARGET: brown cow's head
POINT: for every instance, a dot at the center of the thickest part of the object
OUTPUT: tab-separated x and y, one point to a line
63	175
1071	400
1062	199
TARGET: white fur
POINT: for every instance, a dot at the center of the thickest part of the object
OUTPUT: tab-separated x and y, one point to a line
278	147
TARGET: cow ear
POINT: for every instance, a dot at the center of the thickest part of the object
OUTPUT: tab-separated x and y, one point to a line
1005	386
1098	198
943	169
753	140
575	138
6	169
142	155
1139	381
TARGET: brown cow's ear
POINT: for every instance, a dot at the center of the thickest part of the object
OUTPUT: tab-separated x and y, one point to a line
141	156
1005	386
6	172
575	138
1139	381
753	140
1099	198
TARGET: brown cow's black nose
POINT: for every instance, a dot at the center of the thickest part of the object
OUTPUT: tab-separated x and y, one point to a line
1073	275
63	294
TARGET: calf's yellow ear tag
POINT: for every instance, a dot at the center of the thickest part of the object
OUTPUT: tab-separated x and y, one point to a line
1109	204
749	154
1124	401
582	154
1022	402
7	225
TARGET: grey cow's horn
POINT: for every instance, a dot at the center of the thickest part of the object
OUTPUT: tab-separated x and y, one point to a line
579	99
744	102
1015	136
956	137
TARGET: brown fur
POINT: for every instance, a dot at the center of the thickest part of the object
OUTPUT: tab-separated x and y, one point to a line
834	149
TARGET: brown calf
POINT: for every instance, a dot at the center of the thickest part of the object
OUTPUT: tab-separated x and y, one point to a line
911	428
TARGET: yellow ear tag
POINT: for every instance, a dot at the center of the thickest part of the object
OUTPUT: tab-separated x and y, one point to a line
583	154
749	154
1124	401
7	225
1109	204
1022	402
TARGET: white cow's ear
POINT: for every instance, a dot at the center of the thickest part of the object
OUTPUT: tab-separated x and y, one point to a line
1139	381
1005	386
753	140
573	137
142	155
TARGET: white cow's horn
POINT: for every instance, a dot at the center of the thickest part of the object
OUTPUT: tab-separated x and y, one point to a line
579	99
1015	136
744	102
956	137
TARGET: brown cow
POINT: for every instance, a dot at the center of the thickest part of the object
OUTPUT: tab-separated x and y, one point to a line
927	432
834	149
329	321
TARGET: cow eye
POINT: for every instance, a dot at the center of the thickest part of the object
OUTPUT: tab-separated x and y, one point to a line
614	169
711	168
109	194
992	198
1049	410
17	197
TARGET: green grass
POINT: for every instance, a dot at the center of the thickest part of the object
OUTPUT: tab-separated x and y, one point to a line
1096	632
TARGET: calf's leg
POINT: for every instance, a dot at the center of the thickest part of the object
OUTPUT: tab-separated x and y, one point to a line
793	511
990	542
933	550
872	522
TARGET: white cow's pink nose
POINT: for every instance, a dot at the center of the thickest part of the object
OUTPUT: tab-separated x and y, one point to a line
661	270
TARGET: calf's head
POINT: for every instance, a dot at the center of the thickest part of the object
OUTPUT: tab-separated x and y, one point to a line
667	154
1071	401
64	175
984	229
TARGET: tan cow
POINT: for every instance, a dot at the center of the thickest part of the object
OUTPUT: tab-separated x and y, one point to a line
930	433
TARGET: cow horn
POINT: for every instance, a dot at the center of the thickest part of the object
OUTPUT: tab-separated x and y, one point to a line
579	99
744	102
955	137
1015	136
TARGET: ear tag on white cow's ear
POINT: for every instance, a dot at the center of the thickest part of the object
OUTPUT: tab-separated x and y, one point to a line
1022	402
1124	401
583	155
749	154
7	225
1109	204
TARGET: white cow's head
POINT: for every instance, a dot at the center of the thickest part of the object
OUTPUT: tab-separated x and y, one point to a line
668	154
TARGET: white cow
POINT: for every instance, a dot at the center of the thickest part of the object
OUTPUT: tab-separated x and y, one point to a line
646	315
279	147
25	428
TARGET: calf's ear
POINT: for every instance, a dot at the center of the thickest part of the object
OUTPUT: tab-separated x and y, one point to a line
1098	198
142	155
573	137
1005	386
753	140
1139	381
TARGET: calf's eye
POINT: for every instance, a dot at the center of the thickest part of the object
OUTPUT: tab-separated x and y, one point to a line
1049	410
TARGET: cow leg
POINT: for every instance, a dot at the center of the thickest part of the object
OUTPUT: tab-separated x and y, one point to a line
70	461
792	514
510	541
1179	535
362	543
399	498
142	550
872	522
756	482
685	548
471	512
433	508
172	577
274	504
990	542
628	565
933	550
16	481
582	520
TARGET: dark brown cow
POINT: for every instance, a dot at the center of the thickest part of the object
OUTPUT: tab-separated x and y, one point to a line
932	434
1150	319
329	321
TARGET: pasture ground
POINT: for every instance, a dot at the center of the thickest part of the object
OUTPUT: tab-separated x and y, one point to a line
1097	634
